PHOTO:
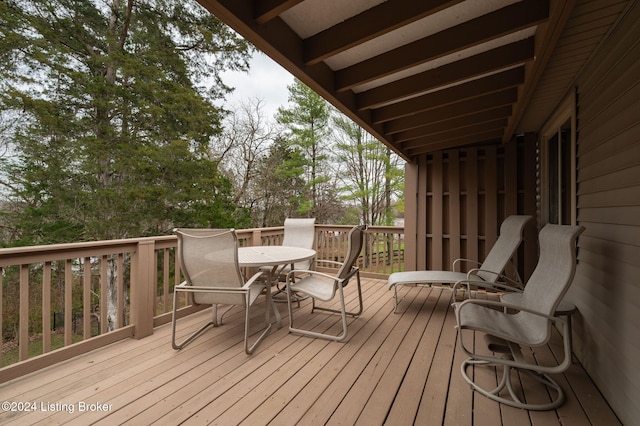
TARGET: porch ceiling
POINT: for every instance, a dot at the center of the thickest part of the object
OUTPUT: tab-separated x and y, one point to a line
421	75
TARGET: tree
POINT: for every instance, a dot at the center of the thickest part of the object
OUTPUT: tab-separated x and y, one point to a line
368	172
307	122
117	131
116	126
244	143
280	187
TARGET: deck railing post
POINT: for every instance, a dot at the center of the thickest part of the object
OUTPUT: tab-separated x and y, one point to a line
143	289
256	237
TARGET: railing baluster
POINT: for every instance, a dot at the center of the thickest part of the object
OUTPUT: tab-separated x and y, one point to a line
46	308
120	321
165	281
66	274
68	302
104	280
23	341
86	299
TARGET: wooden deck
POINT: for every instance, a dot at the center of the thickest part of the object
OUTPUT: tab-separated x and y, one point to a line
396	369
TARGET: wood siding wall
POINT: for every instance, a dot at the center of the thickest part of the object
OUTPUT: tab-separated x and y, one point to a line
607	288
461	196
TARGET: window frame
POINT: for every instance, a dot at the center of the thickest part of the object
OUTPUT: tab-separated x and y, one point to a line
563	118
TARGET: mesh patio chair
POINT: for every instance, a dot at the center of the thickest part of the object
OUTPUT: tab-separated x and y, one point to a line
324	287
491	270
209	262
298	232
508	326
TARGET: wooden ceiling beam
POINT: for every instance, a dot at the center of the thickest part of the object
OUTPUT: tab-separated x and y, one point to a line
474	88
490	136
471	106
484	63
266	10
455	123
504	21
368	25
455	133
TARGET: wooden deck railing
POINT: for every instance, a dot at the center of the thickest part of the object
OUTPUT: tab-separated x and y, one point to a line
58	301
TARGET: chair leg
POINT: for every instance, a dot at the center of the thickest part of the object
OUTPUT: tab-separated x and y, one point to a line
190	338
225	312
513	399
339	311
268	306
342	311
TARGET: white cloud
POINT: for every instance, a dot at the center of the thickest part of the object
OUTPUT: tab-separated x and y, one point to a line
266	80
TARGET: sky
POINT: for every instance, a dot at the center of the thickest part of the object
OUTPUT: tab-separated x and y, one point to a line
266	80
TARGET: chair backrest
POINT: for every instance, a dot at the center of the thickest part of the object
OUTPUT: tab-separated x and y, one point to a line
355	239
511	232
209	258
556	267
299	232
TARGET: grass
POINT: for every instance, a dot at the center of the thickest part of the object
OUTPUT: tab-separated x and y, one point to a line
10	350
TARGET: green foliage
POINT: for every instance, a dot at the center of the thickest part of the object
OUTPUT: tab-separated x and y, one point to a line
308	123
117	133
368	172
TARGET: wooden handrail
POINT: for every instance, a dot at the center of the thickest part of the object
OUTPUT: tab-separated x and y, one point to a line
79	278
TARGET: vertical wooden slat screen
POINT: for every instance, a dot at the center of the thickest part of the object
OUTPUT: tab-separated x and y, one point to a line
466	194
471	205
453	189
492	216
422	213
436	223
410	207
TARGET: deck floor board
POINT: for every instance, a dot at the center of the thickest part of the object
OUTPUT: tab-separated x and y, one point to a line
395	369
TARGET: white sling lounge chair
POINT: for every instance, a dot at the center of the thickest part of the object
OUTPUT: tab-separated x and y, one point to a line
209	262
490	270
508	326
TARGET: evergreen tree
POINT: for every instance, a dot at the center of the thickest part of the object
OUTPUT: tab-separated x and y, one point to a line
116	136
280	187
307	120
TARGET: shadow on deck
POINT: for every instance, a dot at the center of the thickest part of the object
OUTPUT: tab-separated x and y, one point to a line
397	369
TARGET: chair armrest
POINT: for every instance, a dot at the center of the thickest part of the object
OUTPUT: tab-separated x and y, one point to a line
462	259
331	262
251	281
483	284
351	273
558	368
504	305
514	283
310	272
183	286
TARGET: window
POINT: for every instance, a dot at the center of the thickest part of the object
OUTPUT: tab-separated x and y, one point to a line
558	167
